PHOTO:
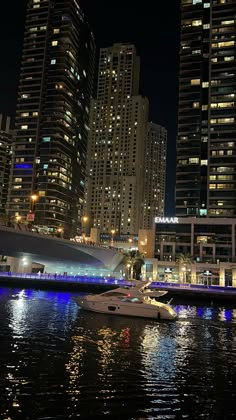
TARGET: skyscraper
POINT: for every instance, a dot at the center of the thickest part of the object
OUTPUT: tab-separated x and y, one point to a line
118	123
5	160
154	174
52	115
206	145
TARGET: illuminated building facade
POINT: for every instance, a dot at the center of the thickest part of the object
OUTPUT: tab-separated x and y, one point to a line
52	115
155	174
5	160
118	124
206	145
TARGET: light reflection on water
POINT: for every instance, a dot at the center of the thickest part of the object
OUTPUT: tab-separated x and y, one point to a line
60	362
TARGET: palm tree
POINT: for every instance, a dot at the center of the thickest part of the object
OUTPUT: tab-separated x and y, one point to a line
184	260
133	262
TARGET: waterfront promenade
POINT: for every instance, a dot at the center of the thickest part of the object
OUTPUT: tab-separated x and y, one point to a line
84	283
59	281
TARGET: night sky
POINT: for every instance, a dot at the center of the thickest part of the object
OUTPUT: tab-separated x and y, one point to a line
155	33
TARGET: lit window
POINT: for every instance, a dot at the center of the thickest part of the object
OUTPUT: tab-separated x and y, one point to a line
223	44
53	61
204	162
196	22
206	26
205	84
204	107
24	127
54	43
206	5
227	22
46	139
230	58
195	82
196	104
56	31
194	160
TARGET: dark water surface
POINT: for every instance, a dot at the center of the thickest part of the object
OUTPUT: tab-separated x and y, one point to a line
59	362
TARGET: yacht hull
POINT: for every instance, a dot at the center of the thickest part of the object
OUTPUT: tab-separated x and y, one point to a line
141	310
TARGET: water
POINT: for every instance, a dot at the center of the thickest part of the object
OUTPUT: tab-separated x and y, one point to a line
59	362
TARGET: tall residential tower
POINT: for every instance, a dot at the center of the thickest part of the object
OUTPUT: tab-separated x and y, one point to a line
52	115
118	124
6	147
155	174
206	144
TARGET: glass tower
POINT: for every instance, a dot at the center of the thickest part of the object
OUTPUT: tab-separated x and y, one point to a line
52	116
206	142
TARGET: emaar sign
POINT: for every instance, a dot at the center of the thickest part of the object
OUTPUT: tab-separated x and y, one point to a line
166	220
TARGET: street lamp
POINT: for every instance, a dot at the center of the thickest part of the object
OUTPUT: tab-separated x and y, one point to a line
31	216
85	219
112	236
34	198
60	231
208	275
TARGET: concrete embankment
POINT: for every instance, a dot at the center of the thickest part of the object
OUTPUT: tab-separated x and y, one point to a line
191	292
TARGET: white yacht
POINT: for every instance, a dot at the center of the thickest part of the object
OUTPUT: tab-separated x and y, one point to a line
130	301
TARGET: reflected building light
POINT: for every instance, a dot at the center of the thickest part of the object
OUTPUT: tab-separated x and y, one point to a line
226	314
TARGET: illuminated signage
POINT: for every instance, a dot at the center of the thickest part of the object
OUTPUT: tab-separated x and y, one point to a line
166	220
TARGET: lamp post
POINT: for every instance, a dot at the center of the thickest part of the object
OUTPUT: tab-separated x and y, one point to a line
34	198
31	215
208	275
84	221
112	237
60	232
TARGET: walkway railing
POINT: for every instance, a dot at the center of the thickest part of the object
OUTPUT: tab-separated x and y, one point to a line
67	278
192	287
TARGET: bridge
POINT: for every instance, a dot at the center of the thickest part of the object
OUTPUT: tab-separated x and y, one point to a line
56	254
